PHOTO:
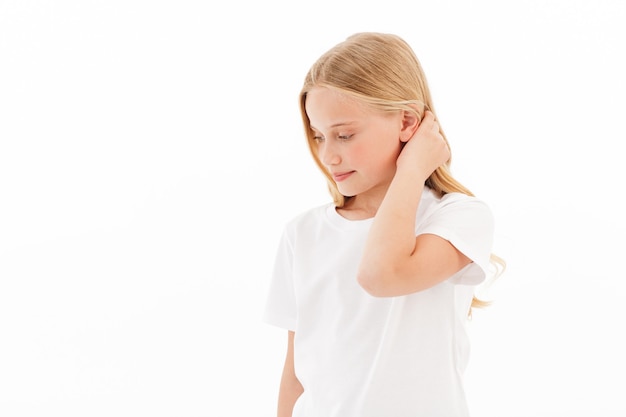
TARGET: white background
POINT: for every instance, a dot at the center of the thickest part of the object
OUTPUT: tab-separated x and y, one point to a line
151	151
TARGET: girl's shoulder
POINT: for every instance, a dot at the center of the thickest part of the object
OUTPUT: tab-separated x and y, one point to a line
432	200
311	213
309	216
452	205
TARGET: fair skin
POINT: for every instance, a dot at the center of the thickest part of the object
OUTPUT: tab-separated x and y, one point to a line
290	387
358	146
386	180
380	160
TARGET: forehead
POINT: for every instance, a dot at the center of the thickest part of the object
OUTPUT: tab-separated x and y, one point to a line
326	108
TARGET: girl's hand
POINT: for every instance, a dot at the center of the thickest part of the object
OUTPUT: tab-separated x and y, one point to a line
425	151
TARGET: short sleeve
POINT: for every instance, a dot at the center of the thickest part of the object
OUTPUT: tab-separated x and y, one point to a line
280	308
467	223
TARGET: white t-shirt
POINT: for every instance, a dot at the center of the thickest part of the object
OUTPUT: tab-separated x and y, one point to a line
361	356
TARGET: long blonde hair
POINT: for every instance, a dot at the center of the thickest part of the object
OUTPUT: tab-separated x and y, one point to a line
380	70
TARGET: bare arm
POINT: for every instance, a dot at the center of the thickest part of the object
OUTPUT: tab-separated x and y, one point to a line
395	261
290	387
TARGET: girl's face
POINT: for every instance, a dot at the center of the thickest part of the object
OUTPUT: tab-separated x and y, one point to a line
357	144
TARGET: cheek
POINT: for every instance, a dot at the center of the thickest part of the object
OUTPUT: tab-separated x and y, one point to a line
361	152
389	146
380	155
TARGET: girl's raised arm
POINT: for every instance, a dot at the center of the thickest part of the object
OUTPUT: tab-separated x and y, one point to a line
395	261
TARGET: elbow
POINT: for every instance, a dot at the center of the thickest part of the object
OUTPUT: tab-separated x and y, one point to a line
366	284
372	283
390	282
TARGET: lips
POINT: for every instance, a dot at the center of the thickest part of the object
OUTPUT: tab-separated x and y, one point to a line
340	176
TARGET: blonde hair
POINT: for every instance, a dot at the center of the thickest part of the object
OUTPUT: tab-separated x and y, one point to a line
380	70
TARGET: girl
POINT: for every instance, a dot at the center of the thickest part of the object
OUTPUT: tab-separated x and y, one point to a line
375	288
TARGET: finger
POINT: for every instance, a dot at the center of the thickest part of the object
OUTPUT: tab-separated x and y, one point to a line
428	116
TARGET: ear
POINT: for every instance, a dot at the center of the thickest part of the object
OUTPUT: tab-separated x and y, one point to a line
410	122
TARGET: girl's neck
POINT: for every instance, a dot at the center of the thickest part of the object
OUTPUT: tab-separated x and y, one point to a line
360	208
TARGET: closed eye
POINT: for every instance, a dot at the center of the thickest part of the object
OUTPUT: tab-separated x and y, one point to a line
344	137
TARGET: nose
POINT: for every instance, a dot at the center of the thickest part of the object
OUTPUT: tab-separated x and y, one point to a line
328	153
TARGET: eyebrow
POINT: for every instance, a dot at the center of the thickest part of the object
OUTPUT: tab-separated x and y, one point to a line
339	124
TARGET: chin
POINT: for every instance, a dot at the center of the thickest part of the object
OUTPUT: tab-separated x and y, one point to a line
347	193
